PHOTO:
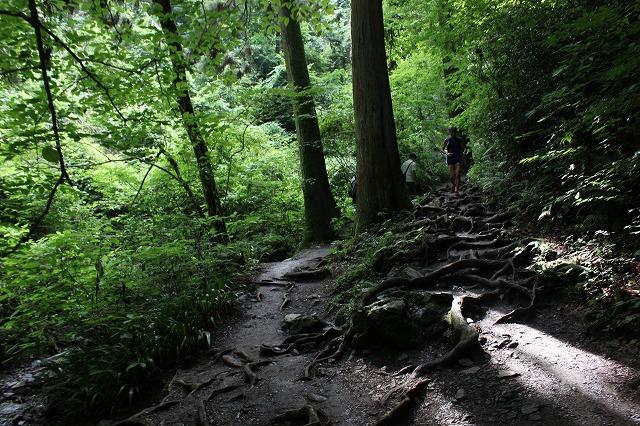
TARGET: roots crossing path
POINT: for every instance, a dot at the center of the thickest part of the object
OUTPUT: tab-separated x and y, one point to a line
509	357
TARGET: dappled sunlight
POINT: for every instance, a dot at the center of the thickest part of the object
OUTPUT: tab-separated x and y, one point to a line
552	369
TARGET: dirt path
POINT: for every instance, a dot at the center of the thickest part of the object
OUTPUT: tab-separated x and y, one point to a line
231	397
548	371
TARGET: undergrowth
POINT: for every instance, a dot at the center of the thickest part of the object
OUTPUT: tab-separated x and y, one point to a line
598	258
370	257
106	332
605	282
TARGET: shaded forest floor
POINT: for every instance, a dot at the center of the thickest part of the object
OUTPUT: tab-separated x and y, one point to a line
547	370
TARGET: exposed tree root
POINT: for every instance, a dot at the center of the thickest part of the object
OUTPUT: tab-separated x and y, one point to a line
133	421
297	340
286	299
407	400
246	364
342	342
490	266
524	313
138	419
221	390
232	361
201	415
311	274
285	283
249	375
467	341
303	416
193	387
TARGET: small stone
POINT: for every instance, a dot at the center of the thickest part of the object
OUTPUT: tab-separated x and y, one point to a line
9	409
529	409
291	317
316	398
472	370
615	343
461	394
503	343
505	374
465	362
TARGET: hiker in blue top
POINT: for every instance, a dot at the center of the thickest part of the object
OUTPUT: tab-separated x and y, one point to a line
453	147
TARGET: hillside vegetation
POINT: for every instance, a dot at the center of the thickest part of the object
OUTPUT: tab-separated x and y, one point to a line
149	159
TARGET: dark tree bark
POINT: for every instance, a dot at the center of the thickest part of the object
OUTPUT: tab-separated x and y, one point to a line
319	205
380	185
185	106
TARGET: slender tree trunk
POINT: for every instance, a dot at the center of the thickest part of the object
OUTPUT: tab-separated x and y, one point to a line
380	185
448	69
181	85
319	205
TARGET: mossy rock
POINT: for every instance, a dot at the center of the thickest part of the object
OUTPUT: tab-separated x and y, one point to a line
400	322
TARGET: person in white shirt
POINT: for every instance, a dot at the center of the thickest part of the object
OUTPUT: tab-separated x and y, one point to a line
408	170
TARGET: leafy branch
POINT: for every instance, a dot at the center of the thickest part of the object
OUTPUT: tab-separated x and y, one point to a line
38	26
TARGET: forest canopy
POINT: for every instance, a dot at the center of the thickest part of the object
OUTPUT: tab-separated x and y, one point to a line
149	153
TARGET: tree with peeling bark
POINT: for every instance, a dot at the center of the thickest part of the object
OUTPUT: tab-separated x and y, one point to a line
319	204
380	185
189	117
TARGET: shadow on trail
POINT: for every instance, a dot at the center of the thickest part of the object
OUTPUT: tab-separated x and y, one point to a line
514	372
507	354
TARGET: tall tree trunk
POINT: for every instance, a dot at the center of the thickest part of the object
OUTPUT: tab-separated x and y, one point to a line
319	205
380	185
181	86
448	69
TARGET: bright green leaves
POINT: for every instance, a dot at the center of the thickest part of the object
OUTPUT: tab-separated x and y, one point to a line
314	13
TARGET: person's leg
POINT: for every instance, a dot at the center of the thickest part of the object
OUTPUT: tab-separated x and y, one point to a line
452	177
458	168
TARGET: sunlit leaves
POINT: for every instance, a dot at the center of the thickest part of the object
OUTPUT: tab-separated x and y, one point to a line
311	12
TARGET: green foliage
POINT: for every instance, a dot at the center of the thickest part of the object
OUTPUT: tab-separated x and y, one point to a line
113	370
373	255
122	274
553	125
419	113
594	275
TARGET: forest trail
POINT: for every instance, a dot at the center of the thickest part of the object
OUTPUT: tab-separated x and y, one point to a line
548	370
545	371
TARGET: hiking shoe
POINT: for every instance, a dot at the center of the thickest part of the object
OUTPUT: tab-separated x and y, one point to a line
453	189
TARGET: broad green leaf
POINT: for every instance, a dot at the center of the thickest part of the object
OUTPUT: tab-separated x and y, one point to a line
50	154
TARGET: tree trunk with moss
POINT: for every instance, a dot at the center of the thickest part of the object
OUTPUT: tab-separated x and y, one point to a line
319	205
189	119
380	185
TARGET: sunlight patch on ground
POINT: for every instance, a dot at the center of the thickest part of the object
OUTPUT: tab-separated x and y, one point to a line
567	375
